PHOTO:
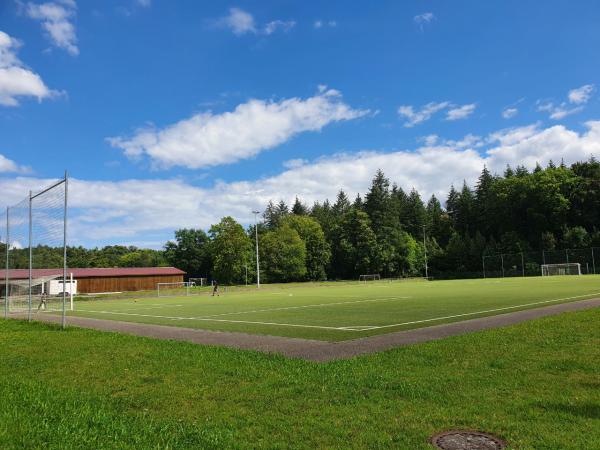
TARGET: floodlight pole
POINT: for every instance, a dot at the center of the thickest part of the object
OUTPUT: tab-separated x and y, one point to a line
502	261
425	248
483	264
257	261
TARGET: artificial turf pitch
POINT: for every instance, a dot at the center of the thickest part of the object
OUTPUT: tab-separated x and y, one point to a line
341	311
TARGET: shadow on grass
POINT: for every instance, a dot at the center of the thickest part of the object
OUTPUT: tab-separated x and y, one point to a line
586	410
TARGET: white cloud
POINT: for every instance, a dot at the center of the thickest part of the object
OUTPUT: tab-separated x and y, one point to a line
511	136
429	140
238	21
207	139
423	19
241	22
468	141
144	3
275	25
56	20
581	95
510	112
322	23
530	145
416	117
294	163
145	210
15	79
557	112
7	165
460	112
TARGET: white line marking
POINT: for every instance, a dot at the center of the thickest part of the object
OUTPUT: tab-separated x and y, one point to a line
144	308
319	305
214	320
478	312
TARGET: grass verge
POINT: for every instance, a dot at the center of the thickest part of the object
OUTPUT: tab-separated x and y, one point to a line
537	385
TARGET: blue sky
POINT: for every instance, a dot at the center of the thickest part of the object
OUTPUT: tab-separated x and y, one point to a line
171	114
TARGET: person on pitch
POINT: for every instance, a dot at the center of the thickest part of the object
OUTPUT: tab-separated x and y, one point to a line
215	288
43	303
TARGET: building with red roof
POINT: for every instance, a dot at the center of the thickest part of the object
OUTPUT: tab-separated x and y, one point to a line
96	280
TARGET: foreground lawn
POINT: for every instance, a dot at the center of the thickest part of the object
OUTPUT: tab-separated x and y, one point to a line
340	311
536	385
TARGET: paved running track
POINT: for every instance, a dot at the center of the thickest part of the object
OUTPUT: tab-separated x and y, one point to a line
321	351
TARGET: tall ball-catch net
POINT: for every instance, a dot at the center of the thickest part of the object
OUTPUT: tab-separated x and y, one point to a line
35	278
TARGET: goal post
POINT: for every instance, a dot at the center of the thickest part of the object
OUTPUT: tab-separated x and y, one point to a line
173	289
369	277
561	269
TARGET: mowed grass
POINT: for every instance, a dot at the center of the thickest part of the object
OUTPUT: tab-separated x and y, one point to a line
341	311
535	384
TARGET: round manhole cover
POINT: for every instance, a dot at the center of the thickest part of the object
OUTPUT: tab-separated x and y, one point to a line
467	440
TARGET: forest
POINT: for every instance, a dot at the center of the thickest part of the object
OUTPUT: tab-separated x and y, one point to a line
388	231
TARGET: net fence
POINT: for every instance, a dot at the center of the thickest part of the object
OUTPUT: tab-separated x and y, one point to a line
531	263
33	279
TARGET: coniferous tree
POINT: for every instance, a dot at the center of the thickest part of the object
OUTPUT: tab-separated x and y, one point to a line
299	208
342	204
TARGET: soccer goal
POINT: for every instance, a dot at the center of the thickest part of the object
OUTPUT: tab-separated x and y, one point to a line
561	269
173	289
369	277
198	282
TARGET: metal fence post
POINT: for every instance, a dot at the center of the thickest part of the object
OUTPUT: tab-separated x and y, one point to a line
6	293
30	258
64	299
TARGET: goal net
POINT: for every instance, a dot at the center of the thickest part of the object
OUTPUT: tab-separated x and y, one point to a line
369	277
173	289
561	269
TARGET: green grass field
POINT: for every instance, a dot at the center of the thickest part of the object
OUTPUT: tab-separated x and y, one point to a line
341	311
534	384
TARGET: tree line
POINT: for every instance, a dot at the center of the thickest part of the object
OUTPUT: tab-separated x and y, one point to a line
387	230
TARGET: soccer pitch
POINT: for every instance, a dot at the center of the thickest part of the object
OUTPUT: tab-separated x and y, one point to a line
341	311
